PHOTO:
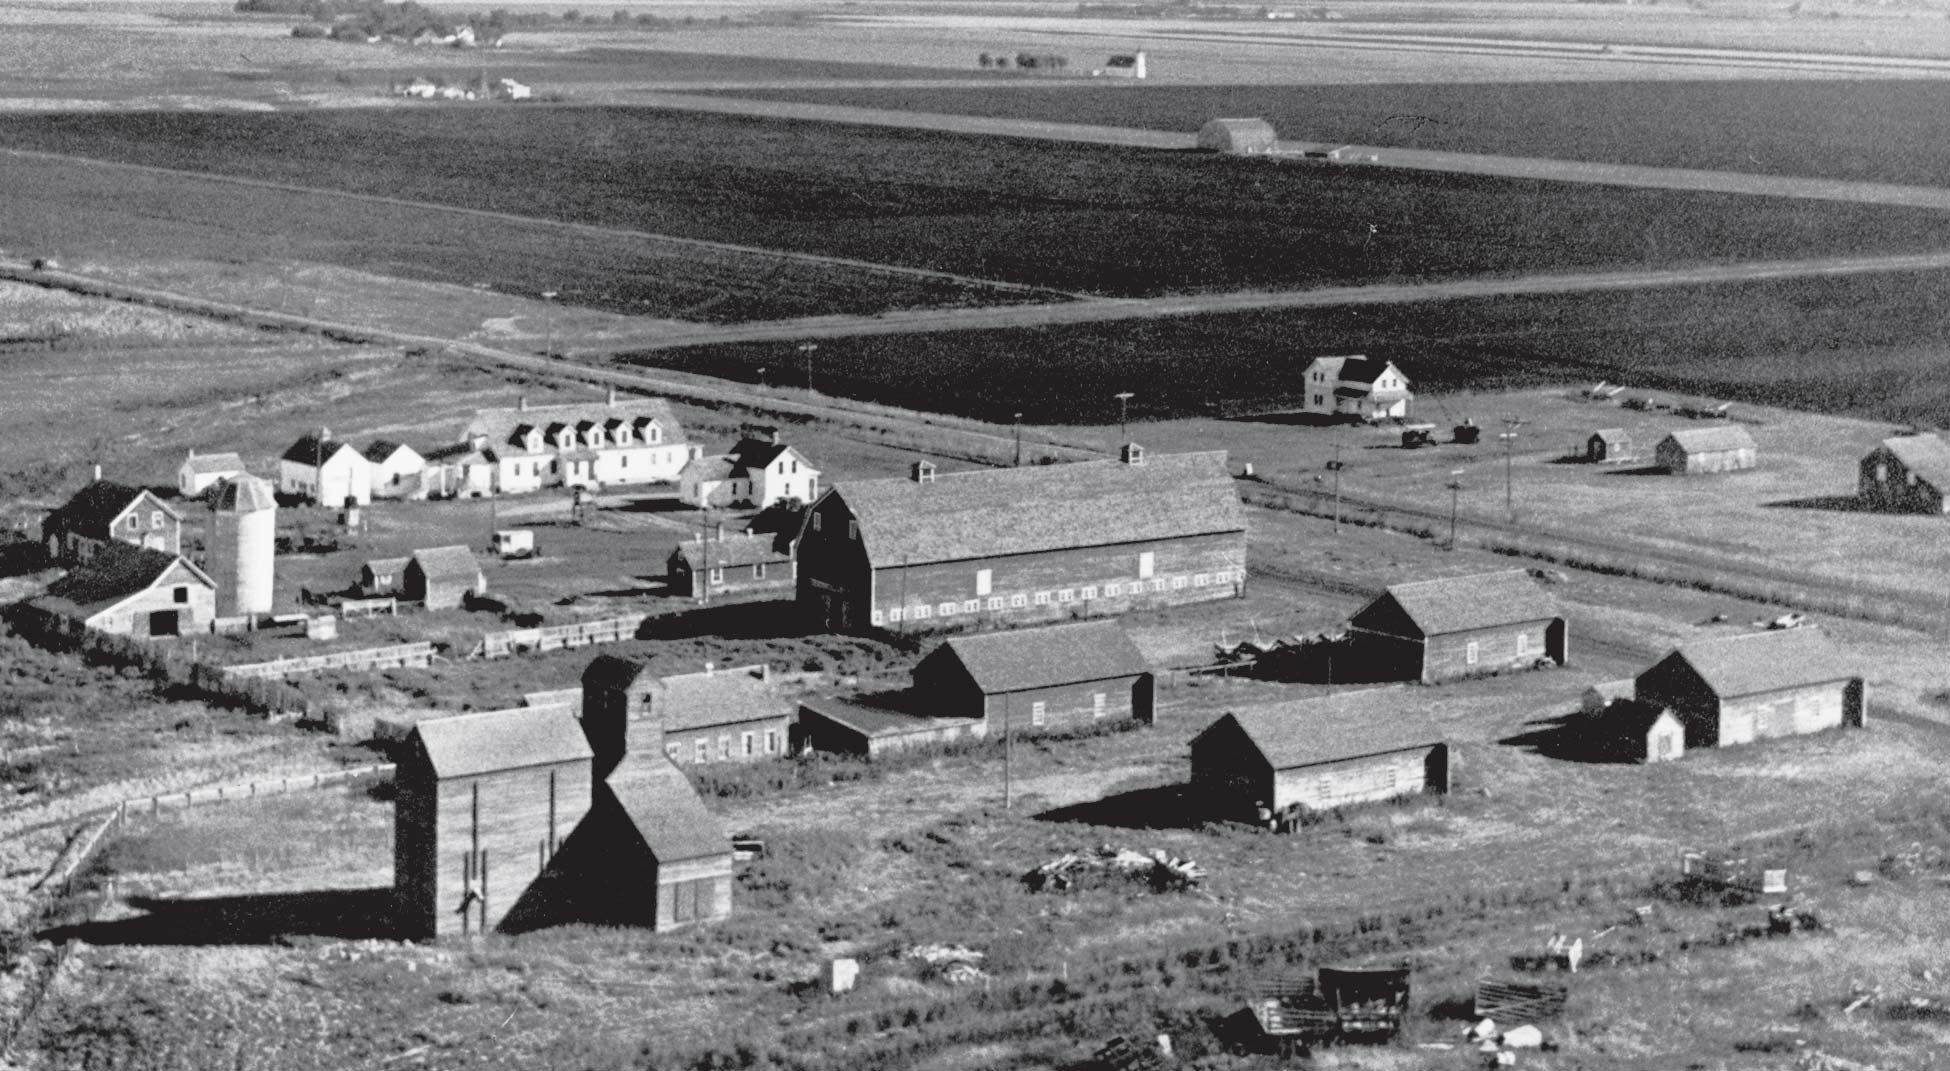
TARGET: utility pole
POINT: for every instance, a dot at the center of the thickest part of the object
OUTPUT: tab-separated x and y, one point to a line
807	348
1018	440
1123	412
1335	466
1509	437
761	376
1455	494
1008	752
548	332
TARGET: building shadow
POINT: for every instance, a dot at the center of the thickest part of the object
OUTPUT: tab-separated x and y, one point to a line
1160	807
1832	503
1343	661
1568	738
653	505
22	557
1290	419
1642	470
255	919
767	619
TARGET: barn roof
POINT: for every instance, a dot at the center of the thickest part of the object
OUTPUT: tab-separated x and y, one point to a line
448	563
1629	717
1481	600
315	451
245	494
1765	661
666	810
500	425
381	449
698	700
115	572
1928	456
1042	657
748	549
991	512
93	509
386	566
1350	725
468	744
204	464
1611	436
1713	439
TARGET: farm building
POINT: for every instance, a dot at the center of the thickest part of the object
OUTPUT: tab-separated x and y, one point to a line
1317	754
130	591
1037	679
395	469
383	576
321	469
1609	446
1737	689
103	513
242	554
744	564
1909	473
1726	448
1238	137
441	578
1457	627
1631	731
199	471
1042	543
594	444
482	802
1599	697
659	858
719	715
872	726
1358	388
759	472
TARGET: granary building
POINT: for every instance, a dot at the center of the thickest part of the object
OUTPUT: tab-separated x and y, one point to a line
719	715
1458	627
1738	689
199	471
441	578
759	472
594	444
395	469
327	471
105	512
1909	473
130	591
1042	543
1238	137
1610	446
1038	679
1689	451
745	564
1284	760
1356	388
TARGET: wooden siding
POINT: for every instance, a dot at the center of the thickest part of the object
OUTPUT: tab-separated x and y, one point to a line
835	583
135	616
1228	773
1674	459
1067	706
723	743
1446	657
1364	780
1887	484
693	890
735	580
1784	713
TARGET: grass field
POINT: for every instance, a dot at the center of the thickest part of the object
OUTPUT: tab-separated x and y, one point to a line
1073	218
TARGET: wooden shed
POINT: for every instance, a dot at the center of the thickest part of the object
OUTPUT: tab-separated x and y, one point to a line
1737	689
383	576
1238	137
869	727
443	577
1609	446
656	857
1910	473
1317	754
1458	627
481	804
1038	679
1726	448
1642	732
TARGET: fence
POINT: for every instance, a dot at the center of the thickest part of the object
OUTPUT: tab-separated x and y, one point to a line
557	637
384	604
197	797
170	665
56	899
415	655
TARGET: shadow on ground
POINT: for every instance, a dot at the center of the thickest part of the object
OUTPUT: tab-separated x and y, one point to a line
261	918
1161	807
1569	738
1832	503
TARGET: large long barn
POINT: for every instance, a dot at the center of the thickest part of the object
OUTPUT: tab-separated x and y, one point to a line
1044	543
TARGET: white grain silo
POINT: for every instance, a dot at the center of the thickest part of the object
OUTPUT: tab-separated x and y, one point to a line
243	541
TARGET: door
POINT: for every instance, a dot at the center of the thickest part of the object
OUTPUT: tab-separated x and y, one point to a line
164	623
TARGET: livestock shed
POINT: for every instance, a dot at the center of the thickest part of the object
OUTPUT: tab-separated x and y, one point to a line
130	591
871	726
1458	627
719	715
1038	679
1910	473
1014	546
106	512
1284	760
1689	451
1238	137
442	577
1610	446
745	564
1738	689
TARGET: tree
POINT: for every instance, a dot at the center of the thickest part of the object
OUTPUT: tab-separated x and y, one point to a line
984	61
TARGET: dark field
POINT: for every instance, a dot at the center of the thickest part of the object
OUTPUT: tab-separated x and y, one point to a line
1871	345
1882	130
1076	218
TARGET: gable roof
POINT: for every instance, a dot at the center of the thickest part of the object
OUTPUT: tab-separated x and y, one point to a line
992	512
313	451
464	745
757	453
699	700
1364	369
1764	661
385	566
448	563
380	449
1350	725
1928	456
244	494
112	575
1041	657
93	509
736	551
1481	600
1708	440
666	810
1629	717
1611	435
709	467
500	425
208	464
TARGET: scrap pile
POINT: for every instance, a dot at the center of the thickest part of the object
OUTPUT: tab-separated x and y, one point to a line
954	964
1913	860
1164	873
1349	1003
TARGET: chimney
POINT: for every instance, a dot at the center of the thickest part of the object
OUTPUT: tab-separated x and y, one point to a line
1131	454
720	531
611	399
324	434
522	404
923	472
98	474
777	437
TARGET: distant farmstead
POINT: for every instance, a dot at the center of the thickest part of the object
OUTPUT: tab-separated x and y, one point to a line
1727	448
1738	689
1356	388
1458	627
1238	137
1609	446
1910	473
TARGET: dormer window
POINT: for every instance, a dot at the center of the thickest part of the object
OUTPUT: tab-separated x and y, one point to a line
594	437
565	439
622	434
534	442
654	434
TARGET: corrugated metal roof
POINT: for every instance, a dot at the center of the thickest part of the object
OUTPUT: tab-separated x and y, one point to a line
1042	657
1481	600
666	810
1928	456
465	745
991	512
1713	439
448	563
115	572
1350	725
1766	661
93	509
500	425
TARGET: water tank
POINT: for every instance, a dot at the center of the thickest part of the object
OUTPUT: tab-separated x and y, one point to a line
243	544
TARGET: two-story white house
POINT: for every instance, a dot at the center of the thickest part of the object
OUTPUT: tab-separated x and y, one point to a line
105	512
1360	388
760	471
599	444
321	469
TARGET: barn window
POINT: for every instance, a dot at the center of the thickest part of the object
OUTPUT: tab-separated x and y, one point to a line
724	747
877	618
1523	644
1067	595
1038	713
984	581
1112	591
674	752
995	602
920	613
1018	601
1469	653
1098	706
1088	593
946	609
971	605
1199	580
745	740
852	529
771	741
1177	582
181	594
894	613
1157	585
704	750
816	519
1042	598
1147	563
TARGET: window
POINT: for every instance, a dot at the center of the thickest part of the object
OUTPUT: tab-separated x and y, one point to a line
745	740
1018	601
1177	582
717	574
656	434
1664	746
1112	591
795	468
1199	580
894	614
816	519
971	605
156	519
1147	563
984	579
181	594
876	617
852	529
724	747
1067	595
1523	644
625	462
675	752
1098	706
1088	593
758	571
946	609
704	751
771	741
921	613
1042	598
1157	585
1038	713
1469	653
995	602
135	523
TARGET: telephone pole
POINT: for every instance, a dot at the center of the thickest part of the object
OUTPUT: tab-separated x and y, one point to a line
807	348
1455	495
548	332
1123	411
1509	437
1335	466
1018	440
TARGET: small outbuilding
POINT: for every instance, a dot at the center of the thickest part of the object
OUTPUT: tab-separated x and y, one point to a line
719	715
669	863
1738	689
441	578
198	471
1910	473
1690	451
1458	627
1631	731
1238	137
130	591
744	564
1278	762
1609	446
1038	679
383	576
871	726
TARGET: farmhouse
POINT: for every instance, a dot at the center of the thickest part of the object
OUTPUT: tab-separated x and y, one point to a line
442	577
1738	689
103	513
1463	626
1038	679
395	469
597	444
321	469
383	576
759	472
1042	543
1358	388
130	591
1726	448
701	569
1238	137
199	471
1609	446
1281	761
719	715
1910	473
